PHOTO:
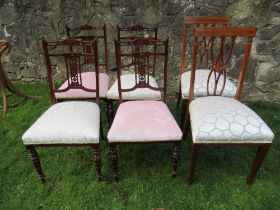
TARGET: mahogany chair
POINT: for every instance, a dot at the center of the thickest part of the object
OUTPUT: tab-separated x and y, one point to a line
88	32
126	34
143	121
218	121
202	73
71	123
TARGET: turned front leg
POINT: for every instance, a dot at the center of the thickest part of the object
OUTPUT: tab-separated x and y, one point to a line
97	160
114	159
175	159
36	162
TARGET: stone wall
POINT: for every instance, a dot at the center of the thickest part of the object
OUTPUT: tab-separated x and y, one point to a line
24	22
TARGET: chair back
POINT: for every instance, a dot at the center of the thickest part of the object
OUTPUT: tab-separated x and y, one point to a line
88	32
57	54
198	21
136	31
143	61
214	47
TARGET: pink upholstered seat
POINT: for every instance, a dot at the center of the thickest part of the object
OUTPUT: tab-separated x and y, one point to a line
144	121
88	81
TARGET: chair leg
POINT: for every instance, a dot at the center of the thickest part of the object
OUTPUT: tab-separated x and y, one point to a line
175	158
179	98
260	155
107	110
183	113
36	162
195	149
101	129
114	159
111	111
97	160
186	123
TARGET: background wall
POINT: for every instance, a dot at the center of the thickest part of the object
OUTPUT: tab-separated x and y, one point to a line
24	22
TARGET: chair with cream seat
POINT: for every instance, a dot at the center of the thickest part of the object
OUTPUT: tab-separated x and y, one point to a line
218	121
200	88
143	121
71	123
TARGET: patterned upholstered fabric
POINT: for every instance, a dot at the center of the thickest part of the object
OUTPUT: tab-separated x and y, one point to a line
218	119
73	122
200	87
144	121
89	81
128	81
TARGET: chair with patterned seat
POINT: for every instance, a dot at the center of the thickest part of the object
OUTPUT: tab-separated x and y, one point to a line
200	88
218	121
71	123
143	121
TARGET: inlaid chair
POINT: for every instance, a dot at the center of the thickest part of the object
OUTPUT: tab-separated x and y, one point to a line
218	121
143	121
125	34
71	123
88	32
200	89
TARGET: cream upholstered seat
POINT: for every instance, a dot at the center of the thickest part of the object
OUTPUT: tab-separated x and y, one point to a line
128	81
73	122
200	87
216	119
89	81
144	121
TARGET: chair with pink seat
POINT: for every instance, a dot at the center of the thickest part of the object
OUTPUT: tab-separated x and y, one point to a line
143	121
88	32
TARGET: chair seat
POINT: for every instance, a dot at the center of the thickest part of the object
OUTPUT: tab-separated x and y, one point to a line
144	121
128	81
217	119
88	81
200	87
73	122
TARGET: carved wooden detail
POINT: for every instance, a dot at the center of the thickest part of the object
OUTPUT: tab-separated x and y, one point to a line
36	162
114	159
97	160
175	159
72	61
90	33
142	61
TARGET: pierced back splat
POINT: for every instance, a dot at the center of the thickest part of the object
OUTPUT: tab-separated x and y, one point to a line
72	62
88	32
142	62
199	21
221	42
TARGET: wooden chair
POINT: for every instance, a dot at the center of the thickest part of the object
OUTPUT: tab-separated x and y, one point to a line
202	74
71	123
88	32
143	121
126	34
218	121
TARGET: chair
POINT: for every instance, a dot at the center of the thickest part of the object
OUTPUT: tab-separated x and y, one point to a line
143	121
126	34
202	74
88	32
218	121
71	123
